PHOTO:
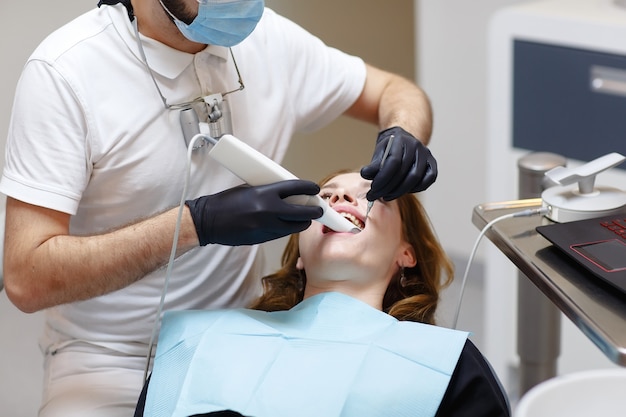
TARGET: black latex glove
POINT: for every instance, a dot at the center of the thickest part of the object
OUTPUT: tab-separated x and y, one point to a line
409	167
248	215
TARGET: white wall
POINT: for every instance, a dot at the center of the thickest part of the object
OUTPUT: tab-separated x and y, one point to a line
452	64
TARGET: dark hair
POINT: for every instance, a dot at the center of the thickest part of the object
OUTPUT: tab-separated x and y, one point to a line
415	301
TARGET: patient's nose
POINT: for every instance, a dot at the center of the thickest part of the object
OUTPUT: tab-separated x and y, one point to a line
341	195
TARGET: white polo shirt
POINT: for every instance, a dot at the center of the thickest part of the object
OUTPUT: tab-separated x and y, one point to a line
89	136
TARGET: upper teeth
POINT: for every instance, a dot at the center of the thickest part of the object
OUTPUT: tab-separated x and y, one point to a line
354	220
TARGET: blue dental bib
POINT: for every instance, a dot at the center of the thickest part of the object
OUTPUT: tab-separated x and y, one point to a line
330	356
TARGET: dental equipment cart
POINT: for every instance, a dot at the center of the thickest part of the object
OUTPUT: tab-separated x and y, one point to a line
598	311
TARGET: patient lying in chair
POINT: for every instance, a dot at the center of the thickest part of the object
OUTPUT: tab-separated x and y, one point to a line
344	328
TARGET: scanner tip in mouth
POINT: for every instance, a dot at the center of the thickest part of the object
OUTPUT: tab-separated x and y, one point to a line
354	230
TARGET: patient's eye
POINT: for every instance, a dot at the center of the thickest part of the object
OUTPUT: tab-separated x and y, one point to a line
325	195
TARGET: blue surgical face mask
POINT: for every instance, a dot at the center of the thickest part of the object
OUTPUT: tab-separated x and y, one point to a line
221	22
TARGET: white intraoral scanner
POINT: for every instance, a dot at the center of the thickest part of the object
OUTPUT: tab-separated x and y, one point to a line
257	169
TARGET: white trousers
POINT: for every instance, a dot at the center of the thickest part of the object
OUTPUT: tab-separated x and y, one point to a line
91	382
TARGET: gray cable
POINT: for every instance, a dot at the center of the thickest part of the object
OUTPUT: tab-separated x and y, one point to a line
523	213
170	263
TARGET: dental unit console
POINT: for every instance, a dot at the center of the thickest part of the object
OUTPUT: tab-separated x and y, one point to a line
573	195
257	169
590	222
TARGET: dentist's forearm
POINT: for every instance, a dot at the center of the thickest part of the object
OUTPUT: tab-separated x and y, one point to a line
63	268
390	100
406	105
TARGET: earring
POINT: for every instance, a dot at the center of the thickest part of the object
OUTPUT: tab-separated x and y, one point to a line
403	279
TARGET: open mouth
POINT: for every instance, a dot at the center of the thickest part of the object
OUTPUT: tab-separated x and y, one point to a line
351	218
